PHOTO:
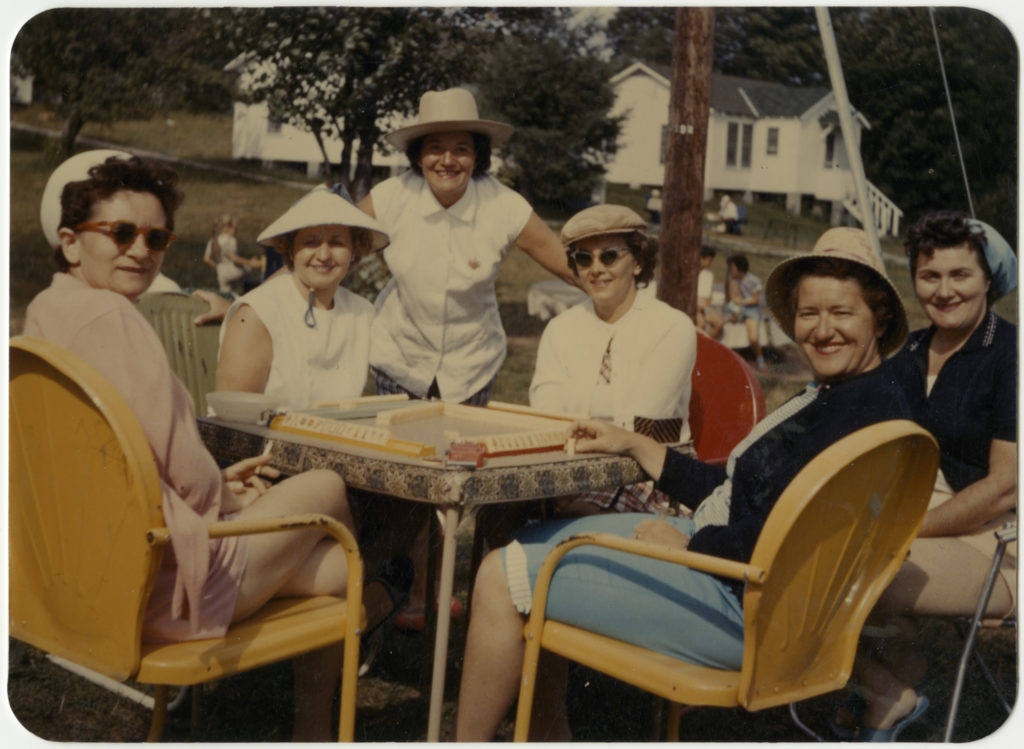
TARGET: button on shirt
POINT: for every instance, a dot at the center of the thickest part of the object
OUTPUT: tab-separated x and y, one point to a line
438	315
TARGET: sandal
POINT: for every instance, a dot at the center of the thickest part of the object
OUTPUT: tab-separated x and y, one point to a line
395	575
891	734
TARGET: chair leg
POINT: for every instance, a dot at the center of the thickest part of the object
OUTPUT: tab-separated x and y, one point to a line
801	725
965	656
156	725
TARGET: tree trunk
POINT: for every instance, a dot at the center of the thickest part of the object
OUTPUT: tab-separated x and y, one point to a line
72	127
683	198
362	182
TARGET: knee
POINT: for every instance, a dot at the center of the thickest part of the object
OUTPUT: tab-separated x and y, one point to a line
490	579
329	488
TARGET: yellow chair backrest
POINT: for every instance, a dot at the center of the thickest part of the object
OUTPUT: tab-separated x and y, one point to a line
191	349
832	543
84	490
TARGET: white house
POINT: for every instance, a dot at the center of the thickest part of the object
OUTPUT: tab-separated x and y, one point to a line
763	138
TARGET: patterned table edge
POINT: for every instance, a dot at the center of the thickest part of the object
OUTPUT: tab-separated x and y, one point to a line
426	483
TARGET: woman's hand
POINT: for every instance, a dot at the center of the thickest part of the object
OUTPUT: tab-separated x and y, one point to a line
660	533
245	482
594	435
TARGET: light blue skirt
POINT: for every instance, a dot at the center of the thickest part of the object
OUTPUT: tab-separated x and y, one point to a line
657	605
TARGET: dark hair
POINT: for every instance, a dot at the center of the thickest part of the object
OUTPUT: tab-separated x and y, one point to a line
644	251
481	147
878	295
739	260
707	250
362	245
114	175
943	229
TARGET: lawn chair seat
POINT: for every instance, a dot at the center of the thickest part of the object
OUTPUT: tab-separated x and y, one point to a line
191	349
1004	536
833	542
726	401
86	538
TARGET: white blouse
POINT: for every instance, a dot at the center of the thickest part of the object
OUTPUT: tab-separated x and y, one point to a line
438	315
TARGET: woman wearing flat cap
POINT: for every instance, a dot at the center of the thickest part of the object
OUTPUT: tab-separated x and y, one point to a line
623	356
845	317
960	377
437	332
300	336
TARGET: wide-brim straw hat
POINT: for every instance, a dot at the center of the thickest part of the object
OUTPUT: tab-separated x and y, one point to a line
321	207
74	169
601	219
849	245
451	110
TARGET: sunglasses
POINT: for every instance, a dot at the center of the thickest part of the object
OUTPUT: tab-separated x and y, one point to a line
585	258
124	233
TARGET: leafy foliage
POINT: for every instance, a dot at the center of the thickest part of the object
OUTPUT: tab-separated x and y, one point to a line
102	65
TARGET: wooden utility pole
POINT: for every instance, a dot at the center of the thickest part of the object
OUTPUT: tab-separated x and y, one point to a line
683	194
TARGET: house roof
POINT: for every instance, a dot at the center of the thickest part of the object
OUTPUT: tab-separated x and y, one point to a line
743	96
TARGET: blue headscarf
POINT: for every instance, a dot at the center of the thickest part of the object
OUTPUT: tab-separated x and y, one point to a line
1000	258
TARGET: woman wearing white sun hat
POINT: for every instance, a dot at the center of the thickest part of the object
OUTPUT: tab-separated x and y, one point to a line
300	336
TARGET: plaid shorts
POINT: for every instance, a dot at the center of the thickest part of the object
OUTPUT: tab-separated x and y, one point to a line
642	497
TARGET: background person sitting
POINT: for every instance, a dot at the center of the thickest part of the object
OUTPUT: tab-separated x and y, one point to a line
744	305
709	319
846	318
221	254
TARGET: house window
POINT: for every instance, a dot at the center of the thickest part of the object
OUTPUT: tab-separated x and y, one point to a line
664	143
738	145
830	150
273	126
773	141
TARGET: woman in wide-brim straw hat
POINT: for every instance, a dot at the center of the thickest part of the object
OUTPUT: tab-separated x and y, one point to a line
438	333
839	308
300	336
960	377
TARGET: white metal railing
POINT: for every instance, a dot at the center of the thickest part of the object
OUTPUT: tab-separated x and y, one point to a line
886	214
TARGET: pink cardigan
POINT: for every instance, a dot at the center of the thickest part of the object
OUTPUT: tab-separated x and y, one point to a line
196	588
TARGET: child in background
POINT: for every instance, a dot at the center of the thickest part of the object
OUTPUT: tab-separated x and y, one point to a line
709	320
745	302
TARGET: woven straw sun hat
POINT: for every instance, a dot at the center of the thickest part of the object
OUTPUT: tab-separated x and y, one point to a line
321	207
74	169
601	219
447	111
849	245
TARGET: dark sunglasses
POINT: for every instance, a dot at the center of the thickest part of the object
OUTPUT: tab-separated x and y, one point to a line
124	233
585	258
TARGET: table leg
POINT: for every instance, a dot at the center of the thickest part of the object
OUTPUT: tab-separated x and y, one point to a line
444	616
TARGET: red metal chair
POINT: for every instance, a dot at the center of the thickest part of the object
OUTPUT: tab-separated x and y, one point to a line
726	400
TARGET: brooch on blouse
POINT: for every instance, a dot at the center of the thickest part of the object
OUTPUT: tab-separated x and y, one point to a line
474	263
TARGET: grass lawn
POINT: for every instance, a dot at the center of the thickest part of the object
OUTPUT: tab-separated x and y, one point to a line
393	698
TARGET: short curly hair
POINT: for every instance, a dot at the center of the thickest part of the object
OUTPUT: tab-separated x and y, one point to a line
114	175
643	248
944	229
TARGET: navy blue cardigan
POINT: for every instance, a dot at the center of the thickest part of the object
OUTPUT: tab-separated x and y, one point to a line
766	468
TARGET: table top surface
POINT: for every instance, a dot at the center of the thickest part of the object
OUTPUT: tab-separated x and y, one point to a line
500	479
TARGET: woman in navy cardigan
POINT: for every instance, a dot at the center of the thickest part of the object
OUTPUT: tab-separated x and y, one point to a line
846	317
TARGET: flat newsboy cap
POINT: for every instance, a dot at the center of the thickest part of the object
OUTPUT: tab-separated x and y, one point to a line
601	219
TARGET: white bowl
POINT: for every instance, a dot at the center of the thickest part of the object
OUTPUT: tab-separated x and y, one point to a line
252	408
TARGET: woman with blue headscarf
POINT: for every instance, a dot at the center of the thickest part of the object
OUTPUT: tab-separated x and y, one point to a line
960	378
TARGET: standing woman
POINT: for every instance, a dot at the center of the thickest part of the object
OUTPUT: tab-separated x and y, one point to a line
960	376
437	331
111	218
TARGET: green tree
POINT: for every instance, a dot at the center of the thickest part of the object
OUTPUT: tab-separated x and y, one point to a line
557	94
102	65
770	44
338	72
641	34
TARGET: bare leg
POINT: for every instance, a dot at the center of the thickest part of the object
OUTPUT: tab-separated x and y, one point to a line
888	698
754	334
494	655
